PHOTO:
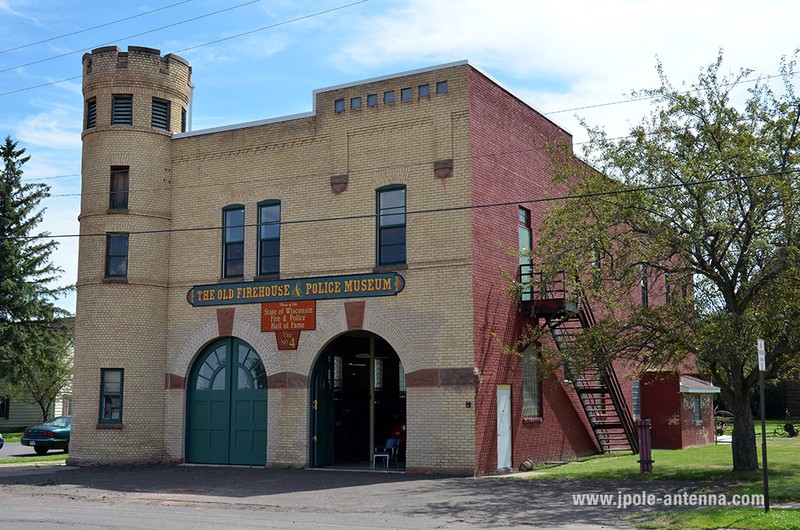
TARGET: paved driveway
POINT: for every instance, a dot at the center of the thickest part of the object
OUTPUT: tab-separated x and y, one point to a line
308	498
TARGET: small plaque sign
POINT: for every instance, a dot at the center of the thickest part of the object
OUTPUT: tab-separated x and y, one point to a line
289	316
287	340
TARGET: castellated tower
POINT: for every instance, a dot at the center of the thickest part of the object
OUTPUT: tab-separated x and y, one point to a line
133	102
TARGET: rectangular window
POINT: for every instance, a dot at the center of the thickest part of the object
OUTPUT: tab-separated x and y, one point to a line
392	226
441	87
337	372
645	298
233	242
338	105
269	238
698	409
161	114
405	94
183	119
111	380
116	255
355	103
5	405
424	91
378	374
388	96
118	195
636	400
531	385
372	100
122	109
91	113
401	377
524	247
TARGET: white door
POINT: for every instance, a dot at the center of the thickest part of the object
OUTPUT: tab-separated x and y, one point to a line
503	426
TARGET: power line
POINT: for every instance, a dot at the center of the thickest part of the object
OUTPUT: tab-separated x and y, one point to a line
54	177
438	210
84	30
303	17
180	22
184	49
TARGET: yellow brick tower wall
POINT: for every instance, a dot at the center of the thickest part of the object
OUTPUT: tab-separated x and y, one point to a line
123	324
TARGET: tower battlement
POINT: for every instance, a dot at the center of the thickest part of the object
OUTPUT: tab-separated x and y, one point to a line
140	67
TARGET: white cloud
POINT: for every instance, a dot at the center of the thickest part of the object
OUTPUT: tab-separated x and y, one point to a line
563	55
54	128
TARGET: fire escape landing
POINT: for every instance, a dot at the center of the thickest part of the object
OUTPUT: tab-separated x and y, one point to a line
597	387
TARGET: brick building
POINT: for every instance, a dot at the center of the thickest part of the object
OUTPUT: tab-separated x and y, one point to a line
294	291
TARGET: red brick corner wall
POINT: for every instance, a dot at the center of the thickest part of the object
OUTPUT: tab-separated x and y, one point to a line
509	163
661	404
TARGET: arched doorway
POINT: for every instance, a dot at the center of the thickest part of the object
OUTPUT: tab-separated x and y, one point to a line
226	405
358	400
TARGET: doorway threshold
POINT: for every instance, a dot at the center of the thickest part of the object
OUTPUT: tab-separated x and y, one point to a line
365	467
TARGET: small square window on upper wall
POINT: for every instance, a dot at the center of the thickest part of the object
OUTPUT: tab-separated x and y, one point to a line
338	105
372	100
424	91
388	96
405	94
441	87
355	103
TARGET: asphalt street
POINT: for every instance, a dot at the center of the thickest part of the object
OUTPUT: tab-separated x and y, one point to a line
202	497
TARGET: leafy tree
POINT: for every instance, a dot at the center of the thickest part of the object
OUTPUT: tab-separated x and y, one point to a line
39	377
27	309
699	208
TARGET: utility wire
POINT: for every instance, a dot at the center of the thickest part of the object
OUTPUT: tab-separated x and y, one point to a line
24	89
84	30
271	26
180	22
435	210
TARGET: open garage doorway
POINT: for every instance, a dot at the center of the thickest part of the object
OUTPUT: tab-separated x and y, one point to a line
358	402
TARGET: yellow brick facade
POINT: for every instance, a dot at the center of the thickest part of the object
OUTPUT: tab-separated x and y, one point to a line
179	184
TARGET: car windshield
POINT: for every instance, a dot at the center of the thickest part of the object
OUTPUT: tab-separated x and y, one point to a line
61	421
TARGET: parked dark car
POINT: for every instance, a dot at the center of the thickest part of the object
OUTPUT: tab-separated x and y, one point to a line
53	434
1	441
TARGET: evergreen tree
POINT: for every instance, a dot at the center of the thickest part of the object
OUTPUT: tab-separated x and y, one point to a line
27	294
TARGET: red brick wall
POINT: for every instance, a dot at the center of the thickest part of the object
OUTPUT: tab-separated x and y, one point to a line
693	433
509	163
661	404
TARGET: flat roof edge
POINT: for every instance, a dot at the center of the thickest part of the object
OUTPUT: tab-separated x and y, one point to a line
244	125
391	76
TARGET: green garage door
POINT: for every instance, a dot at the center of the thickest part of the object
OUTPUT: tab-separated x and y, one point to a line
227	406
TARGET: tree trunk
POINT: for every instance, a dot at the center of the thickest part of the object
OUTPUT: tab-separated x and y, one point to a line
743	446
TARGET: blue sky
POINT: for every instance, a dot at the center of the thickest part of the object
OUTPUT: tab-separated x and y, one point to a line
255	60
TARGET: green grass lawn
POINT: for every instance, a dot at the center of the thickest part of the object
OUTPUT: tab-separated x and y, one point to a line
12	437
710	463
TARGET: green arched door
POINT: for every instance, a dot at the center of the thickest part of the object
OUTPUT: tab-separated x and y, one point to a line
226	412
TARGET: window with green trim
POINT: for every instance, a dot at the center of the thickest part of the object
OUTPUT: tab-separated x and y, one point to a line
111	381
269	238
392	225
233	241
531	383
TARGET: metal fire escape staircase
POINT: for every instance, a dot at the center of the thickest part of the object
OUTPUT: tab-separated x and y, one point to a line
597	388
